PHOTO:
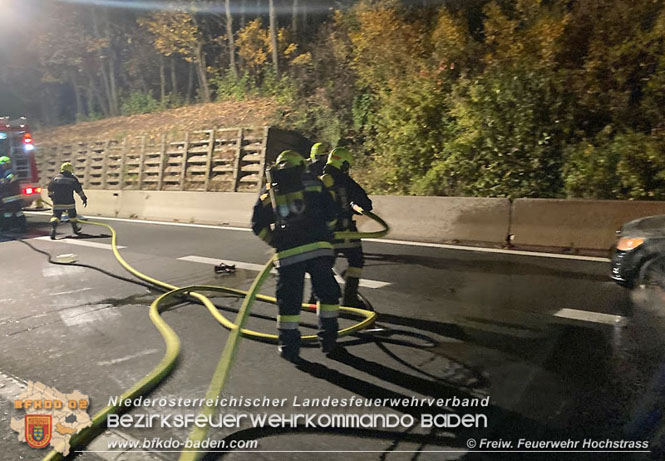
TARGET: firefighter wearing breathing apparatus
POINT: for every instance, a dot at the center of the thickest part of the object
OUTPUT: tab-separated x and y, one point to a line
348	195
11	201
61	191
318	158
295	214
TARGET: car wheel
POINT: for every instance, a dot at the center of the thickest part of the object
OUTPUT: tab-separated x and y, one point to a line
651	283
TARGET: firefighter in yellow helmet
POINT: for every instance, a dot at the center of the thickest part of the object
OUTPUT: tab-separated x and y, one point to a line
11	200
295	214
347	193
61	191
318	158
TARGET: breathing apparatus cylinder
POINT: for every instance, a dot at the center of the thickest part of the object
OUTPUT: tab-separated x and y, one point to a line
287	195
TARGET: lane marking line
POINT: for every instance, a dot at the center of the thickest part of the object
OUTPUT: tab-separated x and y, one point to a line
257	267
147	221
126	358
83	243
591	317
444	246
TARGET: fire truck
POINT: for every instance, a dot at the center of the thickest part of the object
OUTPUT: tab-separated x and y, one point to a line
16	143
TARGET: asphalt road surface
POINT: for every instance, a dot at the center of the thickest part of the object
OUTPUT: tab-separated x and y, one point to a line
561	352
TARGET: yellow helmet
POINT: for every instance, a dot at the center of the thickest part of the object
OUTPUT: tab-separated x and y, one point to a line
66	167
4	159
341	158
319	150
289	159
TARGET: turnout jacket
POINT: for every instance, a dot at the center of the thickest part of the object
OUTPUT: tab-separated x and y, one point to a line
346	192
61	190
10	188
303	229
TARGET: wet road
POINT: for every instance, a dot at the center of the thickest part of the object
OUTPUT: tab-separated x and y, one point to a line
561	352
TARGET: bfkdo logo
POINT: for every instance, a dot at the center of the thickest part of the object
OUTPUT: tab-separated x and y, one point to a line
38	430
46	417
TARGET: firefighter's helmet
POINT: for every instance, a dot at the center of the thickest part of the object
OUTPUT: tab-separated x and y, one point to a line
5	160
319	151
289	159
66	167
341	158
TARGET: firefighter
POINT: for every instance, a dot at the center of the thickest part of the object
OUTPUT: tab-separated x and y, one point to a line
10	197
295	214
61	190
318	158
347	193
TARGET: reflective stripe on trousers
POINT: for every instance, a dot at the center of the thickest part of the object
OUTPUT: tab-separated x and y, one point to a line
288	322
327	311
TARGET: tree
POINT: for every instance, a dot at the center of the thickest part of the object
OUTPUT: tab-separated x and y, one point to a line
179	33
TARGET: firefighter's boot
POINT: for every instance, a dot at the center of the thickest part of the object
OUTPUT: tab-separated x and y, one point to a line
328	334
289	344
351	298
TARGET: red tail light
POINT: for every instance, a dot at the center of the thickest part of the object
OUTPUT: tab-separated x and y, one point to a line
27	138
28	191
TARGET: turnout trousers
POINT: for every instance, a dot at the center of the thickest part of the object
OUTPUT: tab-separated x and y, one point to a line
356	261
290	286
58	210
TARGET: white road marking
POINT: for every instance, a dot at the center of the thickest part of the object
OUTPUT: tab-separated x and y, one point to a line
489	250
125	359
257	267
146	221
70	292
83	243
445	246
592	317
12	387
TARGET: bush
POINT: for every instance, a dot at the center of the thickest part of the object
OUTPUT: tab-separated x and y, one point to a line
139	102
625	165
234	88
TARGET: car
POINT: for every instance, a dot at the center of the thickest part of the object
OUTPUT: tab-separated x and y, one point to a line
16	143
638	257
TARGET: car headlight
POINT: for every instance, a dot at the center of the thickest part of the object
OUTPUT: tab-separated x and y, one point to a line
629	243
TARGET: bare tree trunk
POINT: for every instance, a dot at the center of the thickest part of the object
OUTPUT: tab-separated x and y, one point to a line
106	108
203	77
243	14
190	83
294	17
229	36
174	78
114	103
162	80
273	36
77	95
101	102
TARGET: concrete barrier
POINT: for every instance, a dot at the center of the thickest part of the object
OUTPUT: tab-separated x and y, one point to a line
444	219
556	224
579	224
220	208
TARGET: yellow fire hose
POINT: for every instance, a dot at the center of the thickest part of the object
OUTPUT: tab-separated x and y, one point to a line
172	342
